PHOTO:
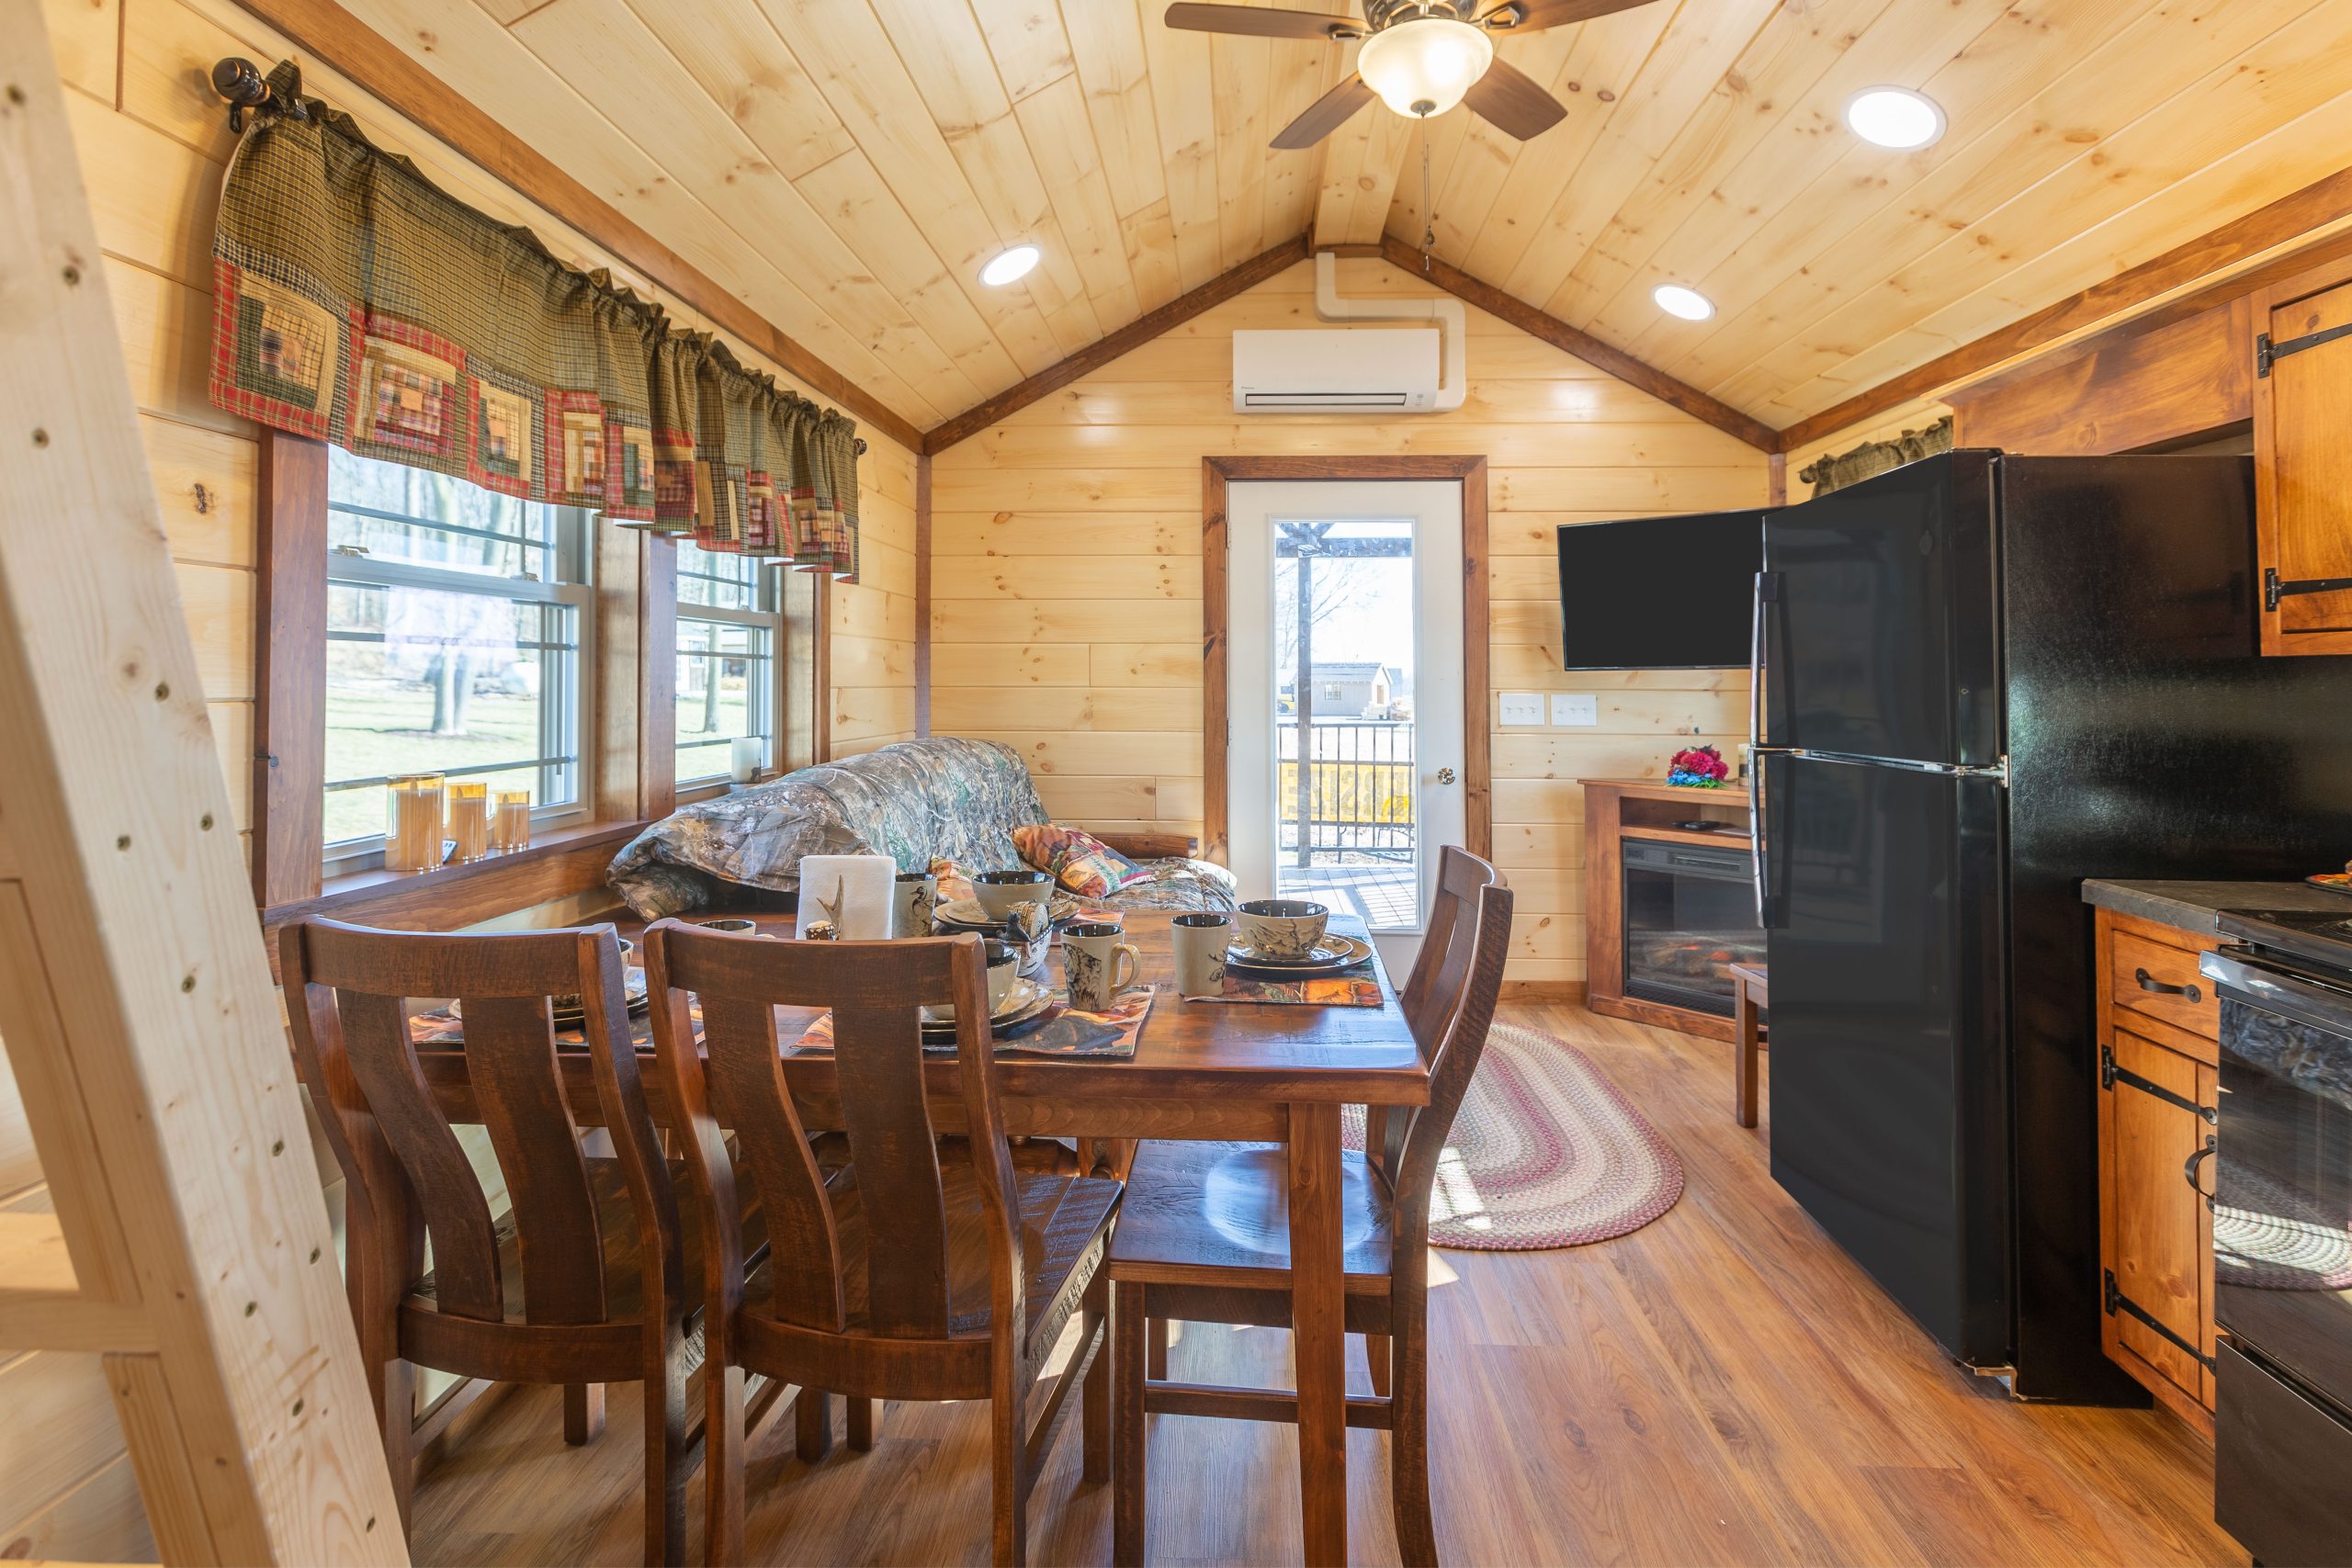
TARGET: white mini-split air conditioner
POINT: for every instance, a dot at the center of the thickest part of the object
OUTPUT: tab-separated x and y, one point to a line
1335	368
1354	370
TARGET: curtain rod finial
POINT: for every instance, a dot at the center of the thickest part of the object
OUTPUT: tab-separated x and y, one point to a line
242	83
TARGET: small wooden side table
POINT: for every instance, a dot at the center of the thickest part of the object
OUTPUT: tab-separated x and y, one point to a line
1750	994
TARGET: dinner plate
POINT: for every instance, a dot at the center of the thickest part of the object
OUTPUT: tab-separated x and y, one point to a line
968	914
2333	881
1330	954
1022	996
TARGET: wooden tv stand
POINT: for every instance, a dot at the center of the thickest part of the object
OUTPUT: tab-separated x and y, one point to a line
1618	809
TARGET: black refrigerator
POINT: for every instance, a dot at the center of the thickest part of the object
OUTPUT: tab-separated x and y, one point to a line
1978	679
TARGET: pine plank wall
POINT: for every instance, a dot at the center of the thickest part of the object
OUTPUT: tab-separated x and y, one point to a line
1067	584
1065	576
154	143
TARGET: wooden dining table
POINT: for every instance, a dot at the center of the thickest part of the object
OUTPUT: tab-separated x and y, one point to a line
1210	1071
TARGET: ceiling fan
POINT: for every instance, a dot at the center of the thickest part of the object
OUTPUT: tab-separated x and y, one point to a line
1419	57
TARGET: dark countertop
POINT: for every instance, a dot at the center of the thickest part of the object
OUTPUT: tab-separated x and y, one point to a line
2195	906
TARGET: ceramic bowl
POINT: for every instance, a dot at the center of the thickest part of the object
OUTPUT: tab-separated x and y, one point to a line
1000	891
1280	928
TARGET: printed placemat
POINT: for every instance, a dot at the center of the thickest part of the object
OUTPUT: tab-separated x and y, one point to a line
1340	991
1109	1035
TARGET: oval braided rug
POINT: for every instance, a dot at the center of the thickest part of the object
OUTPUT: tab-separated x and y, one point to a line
1545	1151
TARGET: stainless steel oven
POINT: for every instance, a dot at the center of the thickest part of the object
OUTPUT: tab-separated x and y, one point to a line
2281	1186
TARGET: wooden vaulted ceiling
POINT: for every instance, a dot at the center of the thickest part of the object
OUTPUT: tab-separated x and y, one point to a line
845	166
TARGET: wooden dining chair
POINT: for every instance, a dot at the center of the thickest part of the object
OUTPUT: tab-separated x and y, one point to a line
1206	1233
584	1282
939	1272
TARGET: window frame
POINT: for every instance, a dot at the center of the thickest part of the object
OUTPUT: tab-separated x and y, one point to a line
575	561
629	753
766	588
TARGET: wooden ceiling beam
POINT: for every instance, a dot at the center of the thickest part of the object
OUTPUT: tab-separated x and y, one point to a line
1134	335
2316	213
1540	324
340	41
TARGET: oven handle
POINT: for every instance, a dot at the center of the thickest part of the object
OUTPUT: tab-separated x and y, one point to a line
2248	978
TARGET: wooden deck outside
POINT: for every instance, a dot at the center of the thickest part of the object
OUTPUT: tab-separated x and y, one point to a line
1723	1386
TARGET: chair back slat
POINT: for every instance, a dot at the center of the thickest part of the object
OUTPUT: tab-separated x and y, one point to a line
874	991
1464	1010
746	1074
511	1060
362	1052
441	1180
896	1151
1436	978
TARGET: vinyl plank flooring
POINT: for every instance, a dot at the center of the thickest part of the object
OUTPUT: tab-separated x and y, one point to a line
1723	1386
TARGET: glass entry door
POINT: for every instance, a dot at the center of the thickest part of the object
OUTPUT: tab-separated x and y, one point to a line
1345	695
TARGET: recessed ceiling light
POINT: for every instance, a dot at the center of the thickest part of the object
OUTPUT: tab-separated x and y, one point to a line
1897	118
1009	266
1687	303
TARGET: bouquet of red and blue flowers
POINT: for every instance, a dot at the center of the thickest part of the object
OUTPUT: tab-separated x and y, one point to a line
1698	767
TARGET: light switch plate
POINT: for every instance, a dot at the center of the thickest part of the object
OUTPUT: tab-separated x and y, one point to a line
1522	708
1574	708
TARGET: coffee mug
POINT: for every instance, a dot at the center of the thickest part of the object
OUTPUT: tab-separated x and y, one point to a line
1282	928
913	898
1201	941
999	892
1097	965
1004	967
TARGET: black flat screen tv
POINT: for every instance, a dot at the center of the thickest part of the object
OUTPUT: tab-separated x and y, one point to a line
1659	592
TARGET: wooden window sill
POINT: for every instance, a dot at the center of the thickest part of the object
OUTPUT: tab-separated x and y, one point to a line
561	861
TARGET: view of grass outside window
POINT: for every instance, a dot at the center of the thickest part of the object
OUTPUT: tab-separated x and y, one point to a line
454	620
730	629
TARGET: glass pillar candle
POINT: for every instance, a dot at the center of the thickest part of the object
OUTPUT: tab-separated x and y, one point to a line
412	821
511	826
469	819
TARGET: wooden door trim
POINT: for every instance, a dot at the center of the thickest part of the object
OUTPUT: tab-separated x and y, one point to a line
1470	472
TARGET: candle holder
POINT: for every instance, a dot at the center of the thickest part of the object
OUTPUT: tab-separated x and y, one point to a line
511	826
413	807
469	819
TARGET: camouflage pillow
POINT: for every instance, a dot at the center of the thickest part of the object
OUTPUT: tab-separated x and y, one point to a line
1079	860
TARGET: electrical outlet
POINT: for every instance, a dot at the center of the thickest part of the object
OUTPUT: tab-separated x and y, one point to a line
1574	708
1522	708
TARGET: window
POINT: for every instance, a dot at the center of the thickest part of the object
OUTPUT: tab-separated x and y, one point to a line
456	620
730	629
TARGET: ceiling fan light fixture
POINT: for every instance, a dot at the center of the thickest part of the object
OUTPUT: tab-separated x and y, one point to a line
1423	66
1008	266
1687	303
1895	118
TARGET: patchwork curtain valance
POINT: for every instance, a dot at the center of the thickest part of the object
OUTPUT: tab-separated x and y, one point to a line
1876	457
356	302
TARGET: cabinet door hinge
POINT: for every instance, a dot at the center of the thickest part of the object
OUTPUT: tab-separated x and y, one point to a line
2116	1301
2110	1074
2267	354
2275	588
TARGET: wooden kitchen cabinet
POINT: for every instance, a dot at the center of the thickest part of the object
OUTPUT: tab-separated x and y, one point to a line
2158	1066
2302	406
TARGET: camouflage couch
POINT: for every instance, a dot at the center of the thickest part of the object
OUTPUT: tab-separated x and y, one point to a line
916	802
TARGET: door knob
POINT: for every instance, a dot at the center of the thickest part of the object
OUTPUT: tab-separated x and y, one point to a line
1445	775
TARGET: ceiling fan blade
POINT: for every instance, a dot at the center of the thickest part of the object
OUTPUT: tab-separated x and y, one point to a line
1511	100
1253	21
1535	14
1325	115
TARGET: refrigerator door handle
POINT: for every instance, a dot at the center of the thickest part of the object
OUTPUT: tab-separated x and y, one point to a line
1767	590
